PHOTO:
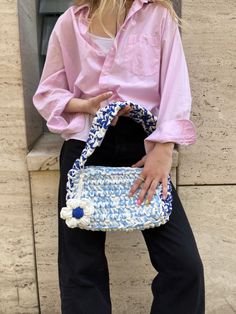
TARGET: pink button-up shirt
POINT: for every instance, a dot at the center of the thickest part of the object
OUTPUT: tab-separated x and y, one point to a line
145	64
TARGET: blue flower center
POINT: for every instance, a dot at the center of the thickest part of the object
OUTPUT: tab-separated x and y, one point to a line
77	212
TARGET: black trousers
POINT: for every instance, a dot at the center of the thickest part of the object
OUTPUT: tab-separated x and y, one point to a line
178	288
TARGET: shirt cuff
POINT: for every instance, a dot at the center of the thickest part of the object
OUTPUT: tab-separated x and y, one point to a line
64	122
180	131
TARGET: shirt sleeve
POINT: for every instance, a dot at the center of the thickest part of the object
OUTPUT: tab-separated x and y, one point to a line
173	123
53	93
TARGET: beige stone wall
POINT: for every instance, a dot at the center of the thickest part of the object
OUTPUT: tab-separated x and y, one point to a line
211	211
210	48
207	170
206	174
18	289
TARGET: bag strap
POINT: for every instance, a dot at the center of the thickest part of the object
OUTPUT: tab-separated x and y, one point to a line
102	121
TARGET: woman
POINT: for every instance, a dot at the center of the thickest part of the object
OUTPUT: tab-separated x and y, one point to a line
102	51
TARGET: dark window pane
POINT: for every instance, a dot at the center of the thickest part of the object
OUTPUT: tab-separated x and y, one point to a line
54	6
48	24
177	7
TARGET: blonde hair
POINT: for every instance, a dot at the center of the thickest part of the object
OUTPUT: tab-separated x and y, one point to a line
98	7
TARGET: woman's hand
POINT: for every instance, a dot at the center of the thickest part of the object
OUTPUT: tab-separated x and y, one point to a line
122	112
90	105
157	165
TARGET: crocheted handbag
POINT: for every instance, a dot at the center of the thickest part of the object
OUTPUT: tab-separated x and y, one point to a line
97	196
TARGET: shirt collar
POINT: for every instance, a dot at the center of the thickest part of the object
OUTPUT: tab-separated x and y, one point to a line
136	5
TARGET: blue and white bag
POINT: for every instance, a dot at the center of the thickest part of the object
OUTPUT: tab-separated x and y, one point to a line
97	196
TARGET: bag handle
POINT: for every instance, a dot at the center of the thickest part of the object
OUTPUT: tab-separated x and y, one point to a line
102	121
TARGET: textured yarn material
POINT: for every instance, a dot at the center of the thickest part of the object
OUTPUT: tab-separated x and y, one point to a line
97	196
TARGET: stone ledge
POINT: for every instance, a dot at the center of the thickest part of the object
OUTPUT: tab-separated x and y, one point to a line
45	153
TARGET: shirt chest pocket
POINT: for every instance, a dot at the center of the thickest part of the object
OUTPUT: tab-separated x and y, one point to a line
141	55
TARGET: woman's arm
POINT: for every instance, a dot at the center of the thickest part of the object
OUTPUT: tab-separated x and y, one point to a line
173	123
173	120
53	93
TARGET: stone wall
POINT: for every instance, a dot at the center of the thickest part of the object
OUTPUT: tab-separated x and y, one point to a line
207	170
18	288
206	173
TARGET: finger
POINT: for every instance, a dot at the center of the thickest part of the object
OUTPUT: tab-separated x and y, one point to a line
124	111
121	112
97	99
145	187
114	121
164	188
152	190
139	163
127	110
136	185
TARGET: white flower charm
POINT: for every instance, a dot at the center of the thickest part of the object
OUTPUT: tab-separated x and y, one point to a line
77	212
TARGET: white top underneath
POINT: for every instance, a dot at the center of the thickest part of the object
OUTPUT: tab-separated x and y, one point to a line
103	42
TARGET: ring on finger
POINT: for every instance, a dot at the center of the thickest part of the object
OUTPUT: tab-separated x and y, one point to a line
141	178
